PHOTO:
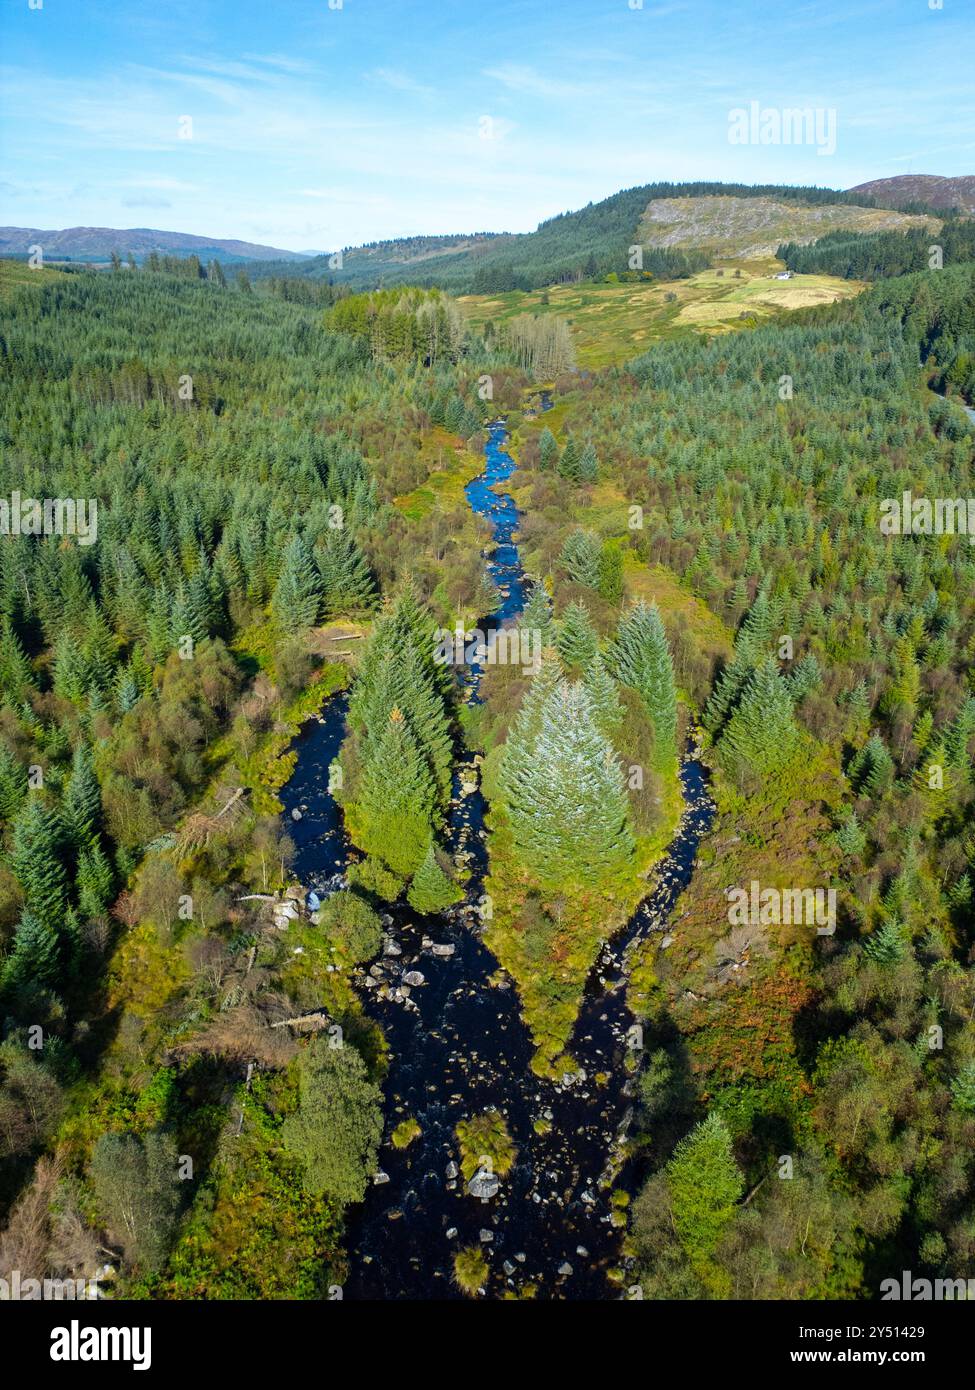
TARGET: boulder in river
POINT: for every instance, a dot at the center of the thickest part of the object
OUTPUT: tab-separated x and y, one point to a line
484	1185
414	977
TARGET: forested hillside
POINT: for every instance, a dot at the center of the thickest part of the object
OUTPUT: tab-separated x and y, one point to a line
883	254
825	1079
244	464
586	244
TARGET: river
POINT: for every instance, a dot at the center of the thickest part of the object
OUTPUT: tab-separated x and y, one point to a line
458	1045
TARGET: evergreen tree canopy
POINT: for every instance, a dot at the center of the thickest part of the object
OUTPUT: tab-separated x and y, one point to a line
641	659
761	736
563	789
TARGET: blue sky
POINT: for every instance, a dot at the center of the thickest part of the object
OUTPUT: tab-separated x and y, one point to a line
316	127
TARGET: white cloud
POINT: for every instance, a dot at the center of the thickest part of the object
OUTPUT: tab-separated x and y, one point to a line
399	81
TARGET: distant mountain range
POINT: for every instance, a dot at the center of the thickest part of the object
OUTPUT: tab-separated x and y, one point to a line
931	189
93	244
680	226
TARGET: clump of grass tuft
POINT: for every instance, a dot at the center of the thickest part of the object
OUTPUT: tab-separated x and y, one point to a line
405	1133
470	1270
485	1137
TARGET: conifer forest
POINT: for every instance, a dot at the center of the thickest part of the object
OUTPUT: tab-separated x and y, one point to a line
487	719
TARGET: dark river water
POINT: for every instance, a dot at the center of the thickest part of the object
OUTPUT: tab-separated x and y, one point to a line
458	1045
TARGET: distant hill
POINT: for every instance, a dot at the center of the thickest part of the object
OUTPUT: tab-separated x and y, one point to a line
911	189
97	244
752	227
595	240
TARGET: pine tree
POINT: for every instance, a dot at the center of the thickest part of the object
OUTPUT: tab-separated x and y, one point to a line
569	462
872	770
36	862
601	688
755	633
807	675
82	808
36	954
611	571
431	889
71	671
13	783
563	791
576	639
298	591
705	1184
888	944
959	735
751	646
641	659
95	880
346	579
850	837
761	736
16	674
397	677
858	701
548	450
963	1089
536	615
158	638
580	558
394	811
588	469
126	690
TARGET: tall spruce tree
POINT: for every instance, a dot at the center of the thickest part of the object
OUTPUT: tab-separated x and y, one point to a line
751	646
601	688
641	659
13	783
576	639
563	791
705	1184
298	591
536	615
394	812
761	736
431	889
81	811
36	955
548	450
580	558
346	579
16	674
872	769
37	862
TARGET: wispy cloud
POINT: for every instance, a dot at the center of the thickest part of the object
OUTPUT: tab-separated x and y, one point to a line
519	77
400	81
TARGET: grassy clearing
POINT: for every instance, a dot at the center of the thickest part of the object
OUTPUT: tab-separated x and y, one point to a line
451	467
612	323
15	274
